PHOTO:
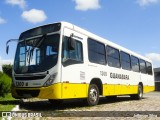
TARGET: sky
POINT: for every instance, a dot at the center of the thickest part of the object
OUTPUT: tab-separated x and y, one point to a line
133	24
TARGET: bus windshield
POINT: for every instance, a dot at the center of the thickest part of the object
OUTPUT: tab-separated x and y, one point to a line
36	55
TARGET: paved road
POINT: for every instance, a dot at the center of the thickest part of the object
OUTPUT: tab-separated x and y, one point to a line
150	102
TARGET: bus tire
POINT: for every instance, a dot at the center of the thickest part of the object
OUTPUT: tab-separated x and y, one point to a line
139	95
93	95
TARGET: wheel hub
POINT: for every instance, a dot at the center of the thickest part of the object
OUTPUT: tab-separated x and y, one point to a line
93	95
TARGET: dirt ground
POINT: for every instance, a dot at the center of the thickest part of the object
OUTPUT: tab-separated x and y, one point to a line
120	108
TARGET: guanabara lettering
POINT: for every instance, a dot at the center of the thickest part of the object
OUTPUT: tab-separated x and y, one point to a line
119	76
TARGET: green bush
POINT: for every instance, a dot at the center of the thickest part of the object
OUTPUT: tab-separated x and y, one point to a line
1	74
7	69
5	84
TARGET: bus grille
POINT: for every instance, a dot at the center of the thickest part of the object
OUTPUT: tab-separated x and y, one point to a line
33	93
29	77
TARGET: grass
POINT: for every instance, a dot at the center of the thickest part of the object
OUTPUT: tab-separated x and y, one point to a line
7	103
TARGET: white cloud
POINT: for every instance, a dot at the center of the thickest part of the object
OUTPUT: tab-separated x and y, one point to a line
85	5
20	3
2	61
2	21
155	57
147	2
7	62
34	16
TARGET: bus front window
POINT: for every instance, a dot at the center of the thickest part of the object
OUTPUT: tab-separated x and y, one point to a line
37	55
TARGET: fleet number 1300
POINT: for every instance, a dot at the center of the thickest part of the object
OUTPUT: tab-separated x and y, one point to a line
20	84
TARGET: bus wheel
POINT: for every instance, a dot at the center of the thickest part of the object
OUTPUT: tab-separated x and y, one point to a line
139	95
55	102
93	95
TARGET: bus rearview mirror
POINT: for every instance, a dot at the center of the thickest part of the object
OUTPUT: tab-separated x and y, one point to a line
71	43
7	49
7	46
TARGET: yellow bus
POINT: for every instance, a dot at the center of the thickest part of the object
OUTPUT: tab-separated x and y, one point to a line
62	61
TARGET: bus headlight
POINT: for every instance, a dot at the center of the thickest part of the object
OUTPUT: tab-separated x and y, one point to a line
50	80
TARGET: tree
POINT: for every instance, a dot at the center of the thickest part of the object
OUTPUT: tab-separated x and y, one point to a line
7	69
5	84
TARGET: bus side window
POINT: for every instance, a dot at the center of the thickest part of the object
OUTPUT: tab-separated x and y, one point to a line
113	57
149	68
75	54
142	66
135	64
96	52
125	61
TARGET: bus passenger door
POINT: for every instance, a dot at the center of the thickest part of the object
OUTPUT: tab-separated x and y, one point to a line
73	65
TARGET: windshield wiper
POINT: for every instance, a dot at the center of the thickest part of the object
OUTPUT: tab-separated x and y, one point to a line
37	44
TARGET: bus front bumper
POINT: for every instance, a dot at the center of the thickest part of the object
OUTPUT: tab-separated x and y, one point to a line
50	92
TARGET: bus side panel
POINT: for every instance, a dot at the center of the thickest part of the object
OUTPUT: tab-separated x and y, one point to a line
74	84
111	86
74	90
117	86
51	92
148	89
108	90
129	89
149	84
130	86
